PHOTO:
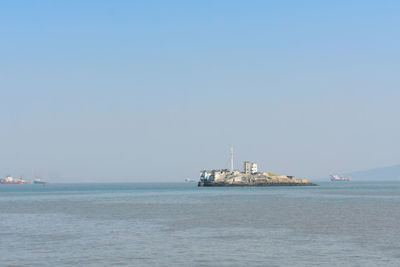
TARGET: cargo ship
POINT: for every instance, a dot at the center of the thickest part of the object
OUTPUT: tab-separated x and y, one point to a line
10	180
338	178
38	181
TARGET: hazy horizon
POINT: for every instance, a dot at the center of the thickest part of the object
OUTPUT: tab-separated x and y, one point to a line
156	91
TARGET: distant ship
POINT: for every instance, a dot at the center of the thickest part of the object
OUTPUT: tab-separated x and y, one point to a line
38	181
10	180
338	178
189	180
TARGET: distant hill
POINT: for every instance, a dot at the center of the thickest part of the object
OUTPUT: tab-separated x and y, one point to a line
378	174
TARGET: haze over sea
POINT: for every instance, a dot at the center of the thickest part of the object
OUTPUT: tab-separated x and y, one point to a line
177	224
155	91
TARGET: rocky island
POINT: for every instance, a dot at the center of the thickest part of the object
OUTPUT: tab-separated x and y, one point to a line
249	177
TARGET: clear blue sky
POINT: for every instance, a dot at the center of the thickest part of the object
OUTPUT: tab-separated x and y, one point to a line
158	90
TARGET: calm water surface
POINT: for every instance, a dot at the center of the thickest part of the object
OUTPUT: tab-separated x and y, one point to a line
335	224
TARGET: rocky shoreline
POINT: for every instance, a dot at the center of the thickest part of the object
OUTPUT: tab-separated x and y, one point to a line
259	184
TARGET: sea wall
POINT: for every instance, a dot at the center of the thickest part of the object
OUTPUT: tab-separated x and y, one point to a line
268	183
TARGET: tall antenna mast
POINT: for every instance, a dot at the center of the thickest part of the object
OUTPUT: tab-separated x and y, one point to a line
231	158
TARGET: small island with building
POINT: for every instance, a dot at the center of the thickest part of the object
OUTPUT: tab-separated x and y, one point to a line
249	177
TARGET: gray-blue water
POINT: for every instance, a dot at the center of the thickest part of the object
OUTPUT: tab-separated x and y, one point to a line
335	224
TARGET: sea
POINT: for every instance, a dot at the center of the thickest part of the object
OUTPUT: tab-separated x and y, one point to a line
180	224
